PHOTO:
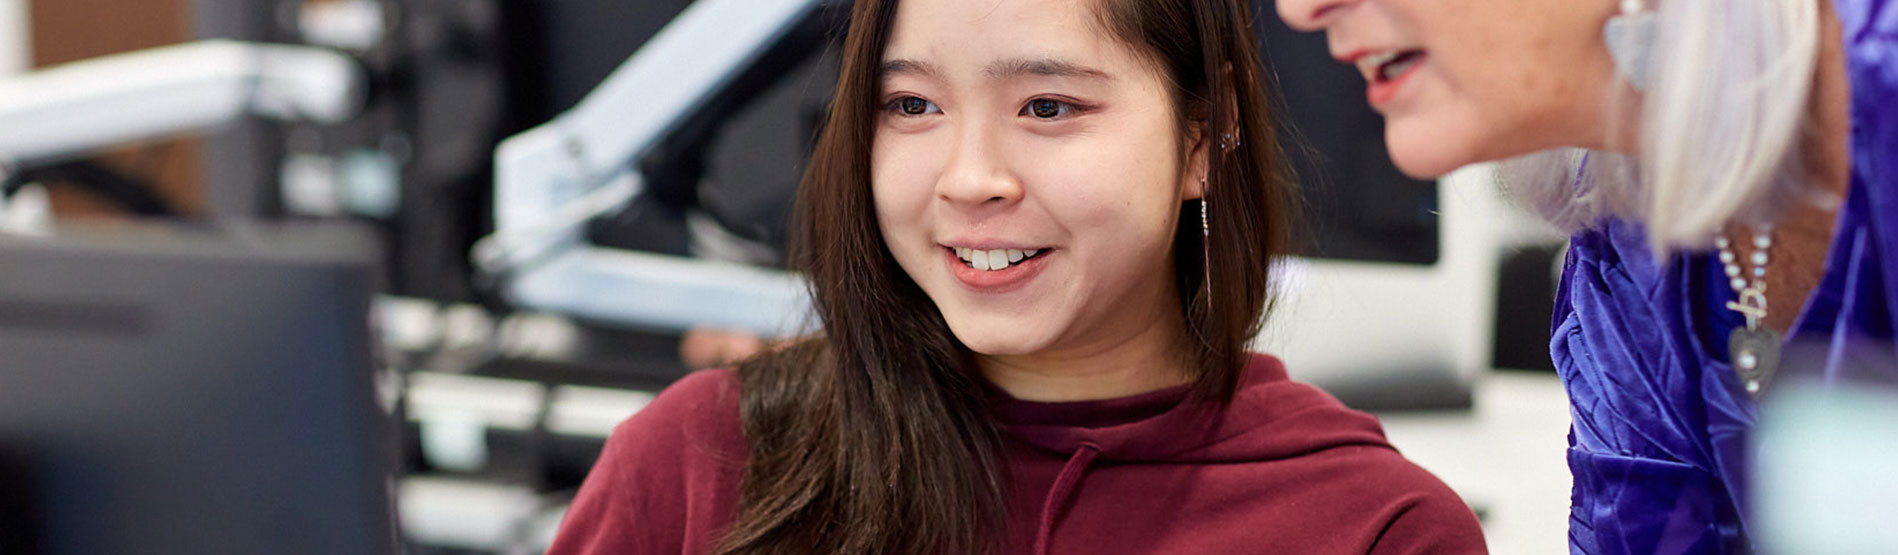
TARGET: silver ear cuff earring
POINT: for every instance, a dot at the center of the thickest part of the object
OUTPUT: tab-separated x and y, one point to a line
1227	142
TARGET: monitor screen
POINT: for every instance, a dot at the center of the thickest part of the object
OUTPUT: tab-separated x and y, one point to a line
171	389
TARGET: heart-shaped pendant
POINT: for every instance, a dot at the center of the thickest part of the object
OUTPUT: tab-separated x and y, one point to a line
1755	356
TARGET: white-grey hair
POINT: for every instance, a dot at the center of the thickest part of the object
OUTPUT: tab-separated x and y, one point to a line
1720	128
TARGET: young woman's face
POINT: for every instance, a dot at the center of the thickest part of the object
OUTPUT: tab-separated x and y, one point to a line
1465	81
1028	173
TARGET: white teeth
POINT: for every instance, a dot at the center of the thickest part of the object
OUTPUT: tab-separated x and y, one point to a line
1385	65
1391	71
990	260
997	259
1370	63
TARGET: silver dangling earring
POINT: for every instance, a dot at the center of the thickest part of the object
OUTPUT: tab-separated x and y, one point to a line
1206	242
1205	227
1630	37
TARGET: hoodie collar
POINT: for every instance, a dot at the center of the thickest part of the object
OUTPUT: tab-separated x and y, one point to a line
1270	417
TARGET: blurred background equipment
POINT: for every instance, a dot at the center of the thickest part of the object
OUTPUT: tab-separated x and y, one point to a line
78	107
641	133
1823	472
191	389
58	114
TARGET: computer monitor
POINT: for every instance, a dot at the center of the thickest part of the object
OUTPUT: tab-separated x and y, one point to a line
179	389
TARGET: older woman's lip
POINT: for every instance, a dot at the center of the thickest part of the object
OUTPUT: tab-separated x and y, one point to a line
1369	61
1381	91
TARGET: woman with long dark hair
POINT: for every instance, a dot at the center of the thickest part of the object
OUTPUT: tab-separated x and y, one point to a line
1039	236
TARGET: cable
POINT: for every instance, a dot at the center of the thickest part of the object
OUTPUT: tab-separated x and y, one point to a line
135	195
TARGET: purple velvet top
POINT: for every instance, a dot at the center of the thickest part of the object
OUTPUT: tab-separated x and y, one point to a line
1658	446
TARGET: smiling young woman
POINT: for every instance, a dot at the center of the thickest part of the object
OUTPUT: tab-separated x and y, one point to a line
1039	235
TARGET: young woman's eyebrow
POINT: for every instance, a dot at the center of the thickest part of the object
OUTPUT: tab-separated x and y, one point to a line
1043	67
903	66
999	69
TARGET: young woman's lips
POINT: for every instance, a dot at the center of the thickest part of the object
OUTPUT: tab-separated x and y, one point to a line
1382	89
1015	276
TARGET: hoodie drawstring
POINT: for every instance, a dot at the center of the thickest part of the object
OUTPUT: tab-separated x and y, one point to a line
1063	488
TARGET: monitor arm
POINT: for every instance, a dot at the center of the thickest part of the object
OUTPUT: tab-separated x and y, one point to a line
552	179
68	110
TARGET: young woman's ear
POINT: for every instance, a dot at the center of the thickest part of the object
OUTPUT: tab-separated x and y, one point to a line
1198	147
1203	138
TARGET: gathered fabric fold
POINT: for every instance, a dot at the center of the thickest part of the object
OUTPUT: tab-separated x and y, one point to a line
1064	487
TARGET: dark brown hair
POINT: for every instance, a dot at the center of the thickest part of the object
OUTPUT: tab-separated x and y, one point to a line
875	437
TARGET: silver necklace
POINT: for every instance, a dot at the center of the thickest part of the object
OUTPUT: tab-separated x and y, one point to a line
1753	349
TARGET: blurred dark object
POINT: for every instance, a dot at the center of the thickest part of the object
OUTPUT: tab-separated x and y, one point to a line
194	389
19	524
1525	305
439	105
1359	207
1420	389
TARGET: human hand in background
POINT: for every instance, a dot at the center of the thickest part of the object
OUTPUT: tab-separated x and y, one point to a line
702	348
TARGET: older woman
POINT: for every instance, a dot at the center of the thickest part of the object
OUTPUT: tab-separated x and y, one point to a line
1728	170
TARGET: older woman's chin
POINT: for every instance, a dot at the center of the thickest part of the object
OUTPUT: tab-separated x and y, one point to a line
1423	161
1432	151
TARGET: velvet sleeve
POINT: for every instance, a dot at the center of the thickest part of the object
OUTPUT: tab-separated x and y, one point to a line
666	481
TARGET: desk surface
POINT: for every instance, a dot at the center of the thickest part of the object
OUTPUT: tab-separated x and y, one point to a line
1507	457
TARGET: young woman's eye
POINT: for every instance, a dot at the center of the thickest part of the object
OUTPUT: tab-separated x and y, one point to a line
912	106
1048	108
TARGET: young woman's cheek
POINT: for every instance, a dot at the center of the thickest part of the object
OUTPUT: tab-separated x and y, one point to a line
902	184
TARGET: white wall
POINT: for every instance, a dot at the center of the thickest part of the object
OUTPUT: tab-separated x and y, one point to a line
16	44
1344	320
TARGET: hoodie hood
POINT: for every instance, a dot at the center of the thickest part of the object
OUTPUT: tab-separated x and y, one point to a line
1270	418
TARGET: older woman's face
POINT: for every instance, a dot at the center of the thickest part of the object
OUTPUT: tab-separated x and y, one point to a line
1465	81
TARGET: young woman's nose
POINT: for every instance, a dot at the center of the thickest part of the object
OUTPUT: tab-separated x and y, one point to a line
977	171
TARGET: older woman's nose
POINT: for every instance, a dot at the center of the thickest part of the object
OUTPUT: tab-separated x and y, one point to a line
1310	15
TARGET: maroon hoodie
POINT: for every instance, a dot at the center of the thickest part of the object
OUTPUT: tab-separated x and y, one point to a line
1284	469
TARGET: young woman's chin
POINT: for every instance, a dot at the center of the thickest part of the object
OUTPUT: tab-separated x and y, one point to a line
1000	333
1001	340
